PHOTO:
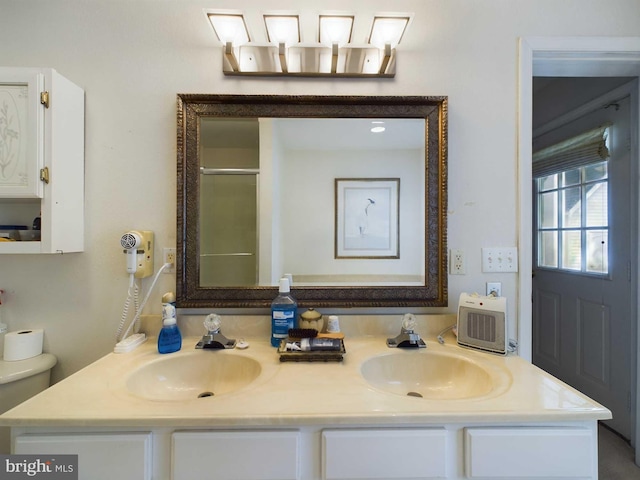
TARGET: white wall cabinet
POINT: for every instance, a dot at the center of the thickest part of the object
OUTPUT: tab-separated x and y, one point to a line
41	159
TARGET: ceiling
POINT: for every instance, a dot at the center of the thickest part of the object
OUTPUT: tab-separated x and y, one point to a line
317	133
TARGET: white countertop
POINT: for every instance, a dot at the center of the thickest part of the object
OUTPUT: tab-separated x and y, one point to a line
287	394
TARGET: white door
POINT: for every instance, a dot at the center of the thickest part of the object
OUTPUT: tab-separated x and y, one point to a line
582	317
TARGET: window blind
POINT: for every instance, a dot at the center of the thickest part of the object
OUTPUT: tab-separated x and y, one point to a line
584	149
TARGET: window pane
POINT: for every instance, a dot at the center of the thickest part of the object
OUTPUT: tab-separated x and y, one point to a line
548	249
597	208
597	251
548	213
571	207
572	177
571	250
596	171
548	183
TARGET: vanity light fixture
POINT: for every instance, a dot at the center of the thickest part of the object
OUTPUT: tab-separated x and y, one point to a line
387	30
333	31
386	33
231	30
282	30
330	53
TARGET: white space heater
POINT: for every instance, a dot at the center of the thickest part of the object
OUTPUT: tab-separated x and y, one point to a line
482	323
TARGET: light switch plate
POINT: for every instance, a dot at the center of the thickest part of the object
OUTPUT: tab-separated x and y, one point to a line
500	259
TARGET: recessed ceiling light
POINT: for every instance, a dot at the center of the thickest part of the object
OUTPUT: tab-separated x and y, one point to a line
378	127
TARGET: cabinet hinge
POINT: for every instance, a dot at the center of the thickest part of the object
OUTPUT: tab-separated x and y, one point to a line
44	174
44	99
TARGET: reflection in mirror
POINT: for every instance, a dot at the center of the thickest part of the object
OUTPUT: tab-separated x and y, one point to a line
229	168
303	216
269	186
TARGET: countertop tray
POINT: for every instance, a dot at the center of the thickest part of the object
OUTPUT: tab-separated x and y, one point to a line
318	356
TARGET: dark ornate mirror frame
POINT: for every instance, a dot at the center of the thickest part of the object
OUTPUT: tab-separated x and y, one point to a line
193	106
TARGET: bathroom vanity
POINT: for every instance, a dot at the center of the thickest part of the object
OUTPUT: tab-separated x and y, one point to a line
381	413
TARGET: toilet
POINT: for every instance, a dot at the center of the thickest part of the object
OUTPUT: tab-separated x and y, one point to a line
19	381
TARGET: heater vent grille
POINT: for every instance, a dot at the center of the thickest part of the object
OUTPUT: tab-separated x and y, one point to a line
481	326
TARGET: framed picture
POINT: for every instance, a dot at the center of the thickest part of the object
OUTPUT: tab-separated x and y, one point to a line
367	216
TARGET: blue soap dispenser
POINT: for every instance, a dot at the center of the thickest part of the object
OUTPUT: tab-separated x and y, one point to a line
169	339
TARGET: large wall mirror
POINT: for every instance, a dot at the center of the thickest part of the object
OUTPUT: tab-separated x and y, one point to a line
347	194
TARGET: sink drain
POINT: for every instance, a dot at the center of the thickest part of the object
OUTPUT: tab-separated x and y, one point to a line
206	394
414	394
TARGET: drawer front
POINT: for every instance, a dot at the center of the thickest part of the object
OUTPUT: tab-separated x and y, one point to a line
530	453
236	455
107	456
384	454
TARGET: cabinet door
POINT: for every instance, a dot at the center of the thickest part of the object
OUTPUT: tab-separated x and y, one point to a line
251	455
384	454
530	453
21	133
108	456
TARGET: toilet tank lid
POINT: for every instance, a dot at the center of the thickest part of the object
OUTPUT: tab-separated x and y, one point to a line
14	371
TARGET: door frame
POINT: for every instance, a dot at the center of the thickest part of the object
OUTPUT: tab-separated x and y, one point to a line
577	57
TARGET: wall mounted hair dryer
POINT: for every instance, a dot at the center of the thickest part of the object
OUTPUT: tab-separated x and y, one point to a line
138	247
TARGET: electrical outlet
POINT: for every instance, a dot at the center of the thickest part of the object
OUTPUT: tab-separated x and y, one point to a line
500	259
169	256
494	288
456	262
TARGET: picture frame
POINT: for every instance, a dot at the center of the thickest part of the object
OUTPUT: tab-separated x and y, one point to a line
367	220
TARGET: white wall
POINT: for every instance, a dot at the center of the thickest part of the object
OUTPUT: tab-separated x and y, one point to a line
133	56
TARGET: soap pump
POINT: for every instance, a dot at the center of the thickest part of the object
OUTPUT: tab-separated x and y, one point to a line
169	339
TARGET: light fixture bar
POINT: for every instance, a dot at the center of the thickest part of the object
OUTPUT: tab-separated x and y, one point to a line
330	54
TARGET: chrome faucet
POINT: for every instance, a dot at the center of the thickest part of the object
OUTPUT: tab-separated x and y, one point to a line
214	339
408	338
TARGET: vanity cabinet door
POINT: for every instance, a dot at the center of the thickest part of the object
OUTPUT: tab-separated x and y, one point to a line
240	455
106	456
523	452
384	454
41	161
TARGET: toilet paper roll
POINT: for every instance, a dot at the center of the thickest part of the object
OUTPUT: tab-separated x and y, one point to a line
23	344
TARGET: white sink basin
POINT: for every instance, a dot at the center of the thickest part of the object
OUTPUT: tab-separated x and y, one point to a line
435	375
193	375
